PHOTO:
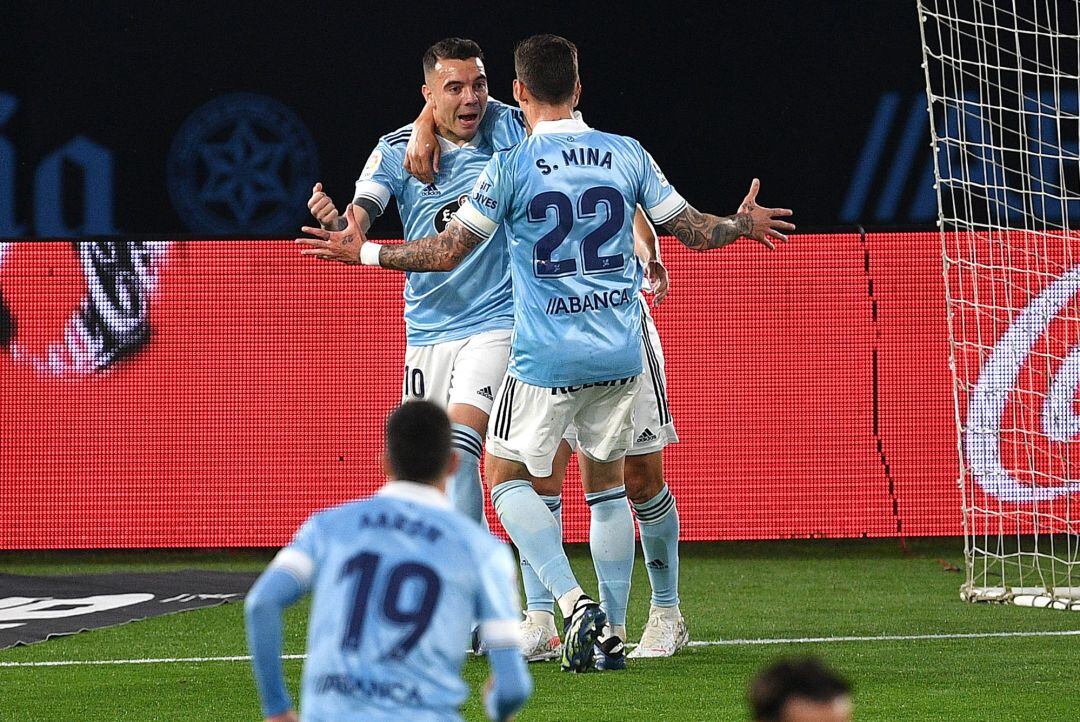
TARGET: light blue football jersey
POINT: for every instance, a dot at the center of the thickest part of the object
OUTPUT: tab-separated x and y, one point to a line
476	296
567	197
397	582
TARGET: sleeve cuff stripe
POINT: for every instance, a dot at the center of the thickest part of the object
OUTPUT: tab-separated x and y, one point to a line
667	209
476	222
374	192
500	633
296	563
380	202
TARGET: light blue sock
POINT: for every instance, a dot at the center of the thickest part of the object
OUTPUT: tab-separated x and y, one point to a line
464	488
538	598
658	522
535	533
611	541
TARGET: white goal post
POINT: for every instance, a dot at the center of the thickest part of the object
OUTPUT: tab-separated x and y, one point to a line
1002	83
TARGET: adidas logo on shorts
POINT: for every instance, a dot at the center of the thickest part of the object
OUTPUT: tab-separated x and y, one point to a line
645	436
486	393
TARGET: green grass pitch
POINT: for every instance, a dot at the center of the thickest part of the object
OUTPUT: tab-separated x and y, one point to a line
730	592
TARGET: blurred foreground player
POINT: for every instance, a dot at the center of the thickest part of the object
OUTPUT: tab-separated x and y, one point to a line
397	580
567	195
800	690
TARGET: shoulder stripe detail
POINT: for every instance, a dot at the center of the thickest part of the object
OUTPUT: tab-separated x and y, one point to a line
395	137
667	209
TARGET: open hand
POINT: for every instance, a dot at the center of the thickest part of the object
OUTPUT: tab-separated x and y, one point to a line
764	225
343	245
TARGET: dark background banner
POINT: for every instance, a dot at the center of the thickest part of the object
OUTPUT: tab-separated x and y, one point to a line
123	118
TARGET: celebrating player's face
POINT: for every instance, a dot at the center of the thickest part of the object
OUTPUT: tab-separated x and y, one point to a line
458	89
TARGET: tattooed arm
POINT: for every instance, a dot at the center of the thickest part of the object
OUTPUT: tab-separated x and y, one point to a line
435	253
701	231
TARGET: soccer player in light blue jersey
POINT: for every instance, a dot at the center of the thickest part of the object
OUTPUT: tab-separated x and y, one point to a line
611	527
396	582
457	323
566	196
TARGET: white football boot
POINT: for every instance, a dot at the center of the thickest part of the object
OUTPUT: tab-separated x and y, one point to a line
665	634
539	638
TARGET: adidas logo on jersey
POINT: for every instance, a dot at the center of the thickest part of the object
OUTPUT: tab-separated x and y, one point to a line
645	436
486	393
430	190
656	564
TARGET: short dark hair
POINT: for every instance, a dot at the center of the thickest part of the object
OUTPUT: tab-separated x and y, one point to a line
548	66
451	49
787	679
418	442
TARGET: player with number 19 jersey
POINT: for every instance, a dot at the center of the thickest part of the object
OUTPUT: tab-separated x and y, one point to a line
567	196
397	581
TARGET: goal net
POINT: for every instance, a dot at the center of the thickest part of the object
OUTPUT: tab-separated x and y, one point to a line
1002	84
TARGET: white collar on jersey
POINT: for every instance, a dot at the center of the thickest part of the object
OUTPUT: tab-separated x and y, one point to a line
566	125
413	491
449	147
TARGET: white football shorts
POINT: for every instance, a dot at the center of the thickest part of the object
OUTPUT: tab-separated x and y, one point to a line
528	422
467	371
653	426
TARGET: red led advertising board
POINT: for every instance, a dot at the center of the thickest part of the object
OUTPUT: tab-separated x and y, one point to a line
215	393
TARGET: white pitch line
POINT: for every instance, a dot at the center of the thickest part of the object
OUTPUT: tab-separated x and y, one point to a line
714	643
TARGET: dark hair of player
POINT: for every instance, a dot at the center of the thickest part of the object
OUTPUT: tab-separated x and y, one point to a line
451	49
548	66
418	442
788	679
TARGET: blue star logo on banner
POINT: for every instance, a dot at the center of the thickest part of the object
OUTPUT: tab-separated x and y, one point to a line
242	164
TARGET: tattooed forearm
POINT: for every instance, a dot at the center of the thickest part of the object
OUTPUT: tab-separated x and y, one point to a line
700	231
434	253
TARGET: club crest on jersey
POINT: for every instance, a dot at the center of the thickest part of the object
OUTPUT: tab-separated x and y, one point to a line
444	214
430	190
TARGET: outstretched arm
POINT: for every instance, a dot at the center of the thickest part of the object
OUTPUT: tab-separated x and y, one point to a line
702	231
435	253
